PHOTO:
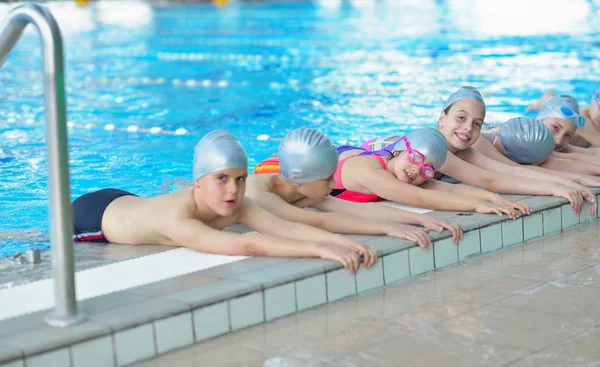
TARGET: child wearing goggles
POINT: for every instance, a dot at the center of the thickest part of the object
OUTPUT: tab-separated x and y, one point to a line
584	134
402	172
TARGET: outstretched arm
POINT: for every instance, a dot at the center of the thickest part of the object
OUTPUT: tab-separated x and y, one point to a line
588	151
375	211
509	184
580	180
487	149
196	235
254	216
537	173
192	233
560	164
386	186
337	222
466	190
586	158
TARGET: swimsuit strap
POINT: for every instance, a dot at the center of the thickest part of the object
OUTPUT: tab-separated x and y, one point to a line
382	160
337	176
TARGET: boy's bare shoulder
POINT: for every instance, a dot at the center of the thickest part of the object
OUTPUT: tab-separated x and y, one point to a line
258	182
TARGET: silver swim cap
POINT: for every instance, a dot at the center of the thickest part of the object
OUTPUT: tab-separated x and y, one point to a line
429	142
564	107
526	140
306	155
462	93
216	151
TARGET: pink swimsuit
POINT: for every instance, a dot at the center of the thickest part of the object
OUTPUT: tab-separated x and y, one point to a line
340	192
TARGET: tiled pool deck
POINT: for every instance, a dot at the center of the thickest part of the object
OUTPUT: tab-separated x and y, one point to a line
530	305
142	322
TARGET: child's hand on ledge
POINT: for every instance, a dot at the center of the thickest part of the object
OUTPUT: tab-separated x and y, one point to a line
438	225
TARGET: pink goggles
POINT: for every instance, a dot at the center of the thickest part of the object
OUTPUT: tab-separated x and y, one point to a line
415	157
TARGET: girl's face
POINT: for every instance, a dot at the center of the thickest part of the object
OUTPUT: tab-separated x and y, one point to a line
408	172
317	189
223	191
595	110
562	130
461	125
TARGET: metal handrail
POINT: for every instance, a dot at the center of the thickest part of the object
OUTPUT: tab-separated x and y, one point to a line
61	229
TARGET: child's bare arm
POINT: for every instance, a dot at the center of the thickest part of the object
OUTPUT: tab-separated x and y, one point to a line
466	190
486	148
560	164
254	216
586	158
383	212
533	172
511	184
196	235
580	150
386	186
338	222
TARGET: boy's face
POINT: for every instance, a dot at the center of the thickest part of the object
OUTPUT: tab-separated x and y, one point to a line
462	124
562	131
223	191
317	189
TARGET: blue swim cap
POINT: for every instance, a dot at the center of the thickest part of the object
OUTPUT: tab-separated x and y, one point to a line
462	93
429	142
306	155
526	140
216	151
564	107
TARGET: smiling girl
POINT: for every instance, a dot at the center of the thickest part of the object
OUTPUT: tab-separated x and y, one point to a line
460	122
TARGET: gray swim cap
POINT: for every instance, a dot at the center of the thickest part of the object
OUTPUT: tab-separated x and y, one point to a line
564	107
429	142
306	155
216	151
462	93
526	140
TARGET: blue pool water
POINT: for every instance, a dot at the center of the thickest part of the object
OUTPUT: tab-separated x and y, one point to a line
351	68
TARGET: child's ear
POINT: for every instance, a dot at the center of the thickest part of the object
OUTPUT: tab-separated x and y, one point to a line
441	119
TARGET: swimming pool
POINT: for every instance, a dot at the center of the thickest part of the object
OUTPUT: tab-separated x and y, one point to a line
352	69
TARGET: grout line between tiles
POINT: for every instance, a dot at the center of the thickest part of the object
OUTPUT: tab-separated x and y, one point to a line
558	342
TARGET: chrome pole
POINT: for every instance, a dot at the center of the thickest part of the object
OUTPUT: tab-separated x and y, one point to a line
61	229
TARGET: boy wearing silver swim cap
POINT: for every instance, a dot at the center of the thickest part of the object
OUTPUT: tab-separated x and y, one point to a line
586	138
195	216
561	115
301	176
575	130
